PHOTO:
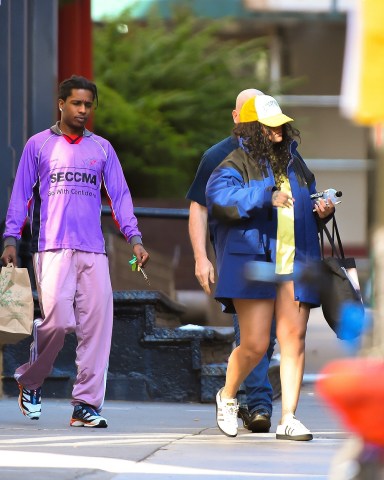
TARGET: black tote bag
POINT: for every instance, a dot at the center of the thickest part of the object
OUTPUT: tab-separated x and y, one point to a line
339	285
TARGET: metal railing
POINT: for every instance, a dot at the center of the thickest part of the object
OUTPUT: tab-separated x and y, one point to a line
150	212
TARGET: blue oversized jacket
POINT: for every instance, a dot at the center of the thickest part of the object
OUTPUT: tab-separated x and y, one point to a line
243	224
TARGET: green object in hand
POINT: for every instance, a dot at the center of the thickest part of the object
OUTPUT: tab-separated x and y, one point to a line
133	263
136	267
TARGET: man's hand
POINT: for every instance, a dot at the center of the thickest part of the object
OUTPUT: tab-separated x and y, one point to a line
197	225
9	255
205	273
141	254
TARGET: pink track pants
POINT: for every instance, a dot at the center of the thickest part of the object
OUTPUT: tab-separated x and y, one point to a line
75	294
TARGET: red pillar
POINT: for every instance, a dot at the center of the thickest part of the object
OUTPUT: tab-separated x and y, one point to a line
75	41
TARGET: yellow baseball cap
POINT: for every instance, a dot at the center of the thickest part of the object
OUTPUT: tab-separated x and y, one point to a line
263	109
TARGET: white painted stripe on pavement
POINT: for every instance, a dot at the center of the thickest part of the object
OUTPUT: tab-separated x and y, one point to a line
114	465
85	437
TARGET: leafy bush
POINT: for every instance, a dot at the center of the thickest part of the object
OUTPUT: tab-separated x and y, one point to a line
167	90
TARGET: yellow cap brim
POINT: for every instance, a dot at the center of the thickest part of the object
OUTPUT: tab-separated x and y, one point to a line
276	120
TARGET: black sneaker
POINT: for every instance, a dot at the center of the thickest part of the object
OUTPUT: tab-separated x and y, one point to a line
86	416
259	421
243	414
30	402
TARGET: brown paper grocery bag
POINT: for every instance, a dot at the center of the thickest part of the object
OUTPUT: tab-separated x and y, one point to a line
16	304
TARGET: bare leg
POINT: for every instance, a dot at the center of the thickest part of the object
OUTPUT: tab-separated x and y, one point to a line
255	318
291	326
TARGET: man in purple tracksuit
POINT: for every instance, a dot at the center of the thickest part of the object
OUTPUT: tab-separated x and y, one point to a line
58	186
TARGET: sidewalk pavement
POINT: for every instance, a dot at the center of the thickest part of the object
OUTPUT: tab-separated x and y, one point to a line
161	441
167	441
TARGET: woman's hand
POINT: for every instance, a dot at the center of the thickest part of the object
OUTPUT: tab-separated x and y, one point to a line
282	199
324	208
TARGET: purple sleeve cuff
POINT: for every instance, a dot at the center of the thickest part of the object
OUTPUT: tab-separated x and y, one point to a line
135	240
9	242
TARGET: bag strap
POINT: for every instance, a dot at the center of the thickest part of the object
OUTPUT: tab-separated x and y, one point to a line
337	248
336	230
322	225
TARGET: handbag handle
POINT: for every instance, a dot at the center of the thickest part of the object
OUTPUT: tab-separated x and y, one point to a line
337	249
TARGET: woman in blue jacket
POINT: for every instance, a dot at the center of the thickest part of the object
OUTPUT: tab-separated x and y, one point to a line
260	209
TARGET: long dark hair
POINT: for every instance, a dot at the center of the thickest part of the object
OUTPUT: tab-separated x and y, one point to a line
260	148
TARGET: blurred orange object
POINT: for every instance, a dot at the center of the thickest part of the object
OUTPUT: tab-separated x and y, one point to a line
354	388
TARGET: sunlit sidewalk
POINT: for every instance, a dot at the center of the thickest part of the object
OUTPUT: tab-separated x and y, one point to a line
147	441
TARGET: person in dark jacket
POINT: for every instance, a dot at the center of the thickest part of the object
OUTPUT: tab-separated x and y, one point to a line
260	209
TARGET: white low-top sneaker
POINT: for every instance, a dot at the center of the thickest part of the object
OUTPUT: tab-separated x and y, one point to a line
226	414
293	429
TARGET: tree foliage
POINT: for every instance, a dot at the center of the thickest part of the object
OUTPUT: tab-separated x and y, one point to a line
166	91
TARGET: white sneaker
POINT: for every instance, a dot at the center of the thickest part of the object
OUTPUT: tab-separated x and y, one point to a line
226	414
293	429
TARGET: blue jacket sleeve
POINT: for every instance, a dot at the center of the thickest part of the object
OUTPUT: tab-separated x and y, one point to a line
229	198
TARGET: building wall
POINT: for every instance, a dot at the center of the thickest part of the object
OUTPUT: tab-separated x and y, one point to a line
316	51
28	44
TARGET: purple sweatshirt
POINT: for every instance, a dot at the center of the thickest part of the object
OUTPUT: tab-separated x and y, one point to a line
58	186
